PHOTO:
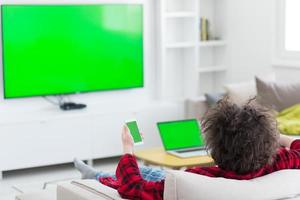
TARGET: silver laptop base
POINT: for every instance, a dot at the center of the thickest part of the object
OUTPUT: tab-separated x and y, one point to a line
188	154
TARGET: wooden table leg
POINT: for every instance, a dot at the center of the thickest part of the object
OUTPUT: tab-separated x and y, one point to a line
146	163
176	168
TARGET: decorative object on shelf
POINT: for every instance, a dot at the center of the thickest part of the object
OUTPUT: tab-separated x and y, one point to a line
204	29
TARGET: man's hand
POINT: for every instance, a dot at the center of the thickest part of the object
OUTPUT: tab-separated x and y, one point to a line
127	141
285	140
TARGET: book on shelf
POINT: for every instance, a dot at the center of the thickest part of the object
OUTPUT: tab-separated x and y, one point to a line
203	29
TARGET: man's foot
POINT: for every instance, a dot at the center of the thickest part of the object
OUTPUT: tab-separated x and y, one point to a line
87	172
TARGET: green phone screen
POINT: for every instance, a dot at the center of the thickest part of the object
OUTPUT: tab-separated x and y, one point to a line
134	130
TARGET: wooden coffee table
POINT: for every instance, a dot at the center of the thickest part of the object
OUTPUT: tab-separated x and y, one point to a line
158	156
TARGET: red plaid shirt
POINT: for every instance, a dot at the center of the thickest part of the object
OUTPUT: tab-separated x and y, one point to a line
131	185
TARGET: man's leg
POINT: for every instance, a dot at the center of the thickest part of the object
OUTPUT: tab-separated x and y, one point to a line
148	173
101	174
87	172
152	174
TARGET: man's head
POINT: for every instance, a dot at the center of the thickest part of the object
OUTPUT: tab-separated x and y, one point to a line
240	138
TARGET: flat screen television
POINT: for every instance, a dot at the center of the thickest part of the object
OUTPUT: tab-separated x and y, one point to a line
61	49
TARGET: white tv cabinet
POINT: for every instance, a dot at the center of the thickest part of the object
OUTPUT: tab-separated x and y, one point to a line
50	136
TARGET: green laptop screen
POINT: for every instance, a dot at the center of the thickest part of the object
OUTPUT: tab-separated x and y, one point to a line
180	134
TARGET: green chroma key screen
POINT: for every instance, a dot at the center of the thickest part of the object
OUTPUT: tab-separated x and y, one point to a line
134	131
57	49
180	134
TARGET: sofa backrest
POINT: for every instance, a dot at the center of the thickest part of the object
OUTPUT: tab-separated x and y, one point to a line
278	185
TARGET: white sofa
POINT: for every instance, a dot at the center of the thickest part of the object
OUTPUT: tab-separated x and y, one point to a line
86	190
46	194
181	185
283	184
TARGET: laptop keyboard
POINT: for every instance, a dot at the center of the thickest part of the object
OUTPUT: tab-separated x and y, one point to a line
192	153
189	150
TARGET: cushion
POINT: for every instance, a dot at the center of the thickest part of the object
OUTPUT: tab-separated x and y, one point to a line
213	98
289	120
278	185
240	93
277	95
196	108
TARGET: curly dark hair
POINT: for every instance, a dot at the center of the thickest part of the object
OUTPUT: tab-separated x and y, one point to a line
240	138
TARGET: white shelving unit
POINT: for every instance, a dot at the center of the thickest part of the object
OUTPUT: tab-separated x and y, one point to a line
212	43
211	69
189	67
180	14
180	45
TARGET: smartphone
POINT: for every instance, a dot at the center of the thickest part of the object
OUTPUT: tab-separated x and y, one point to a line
134	131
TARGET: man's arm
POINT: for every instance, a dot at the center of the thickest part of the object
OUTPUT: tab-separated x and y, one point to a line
288	158
132	185
286	141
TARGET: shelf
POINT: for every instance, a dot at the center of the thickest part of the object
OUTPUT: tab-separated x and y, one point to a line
198	98
212	43
180	45
211	69
179	5
189	62
180	14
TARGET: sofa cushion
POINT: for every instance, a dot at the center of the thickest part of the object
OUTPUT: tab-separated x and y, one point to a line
196	108
277	95
240	93
213	98
278	185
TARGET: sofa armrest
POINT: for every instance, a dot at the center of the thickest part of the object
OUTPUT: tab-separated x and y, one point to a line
86	190
195	108
46	194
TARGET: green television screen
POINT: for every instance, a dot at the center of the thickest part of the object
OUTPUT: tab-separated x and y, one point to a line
60	49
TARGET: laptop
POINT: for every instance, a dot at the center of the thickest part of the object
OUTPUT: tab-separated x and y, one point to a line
182	138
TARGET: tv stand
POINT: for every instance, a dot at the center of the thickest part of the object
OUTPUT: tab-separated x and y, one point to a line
48	130
71	106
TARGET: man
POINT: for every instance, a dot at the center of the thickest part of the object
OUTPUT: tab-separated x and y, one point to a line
243	141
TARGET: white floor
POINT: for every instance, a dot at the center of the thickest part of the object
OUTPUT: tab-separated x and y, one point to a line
34	179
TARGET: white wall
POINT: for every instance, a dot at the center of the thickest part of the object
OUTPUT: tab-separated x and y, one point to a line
247	28
40	129
246	25
121	96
